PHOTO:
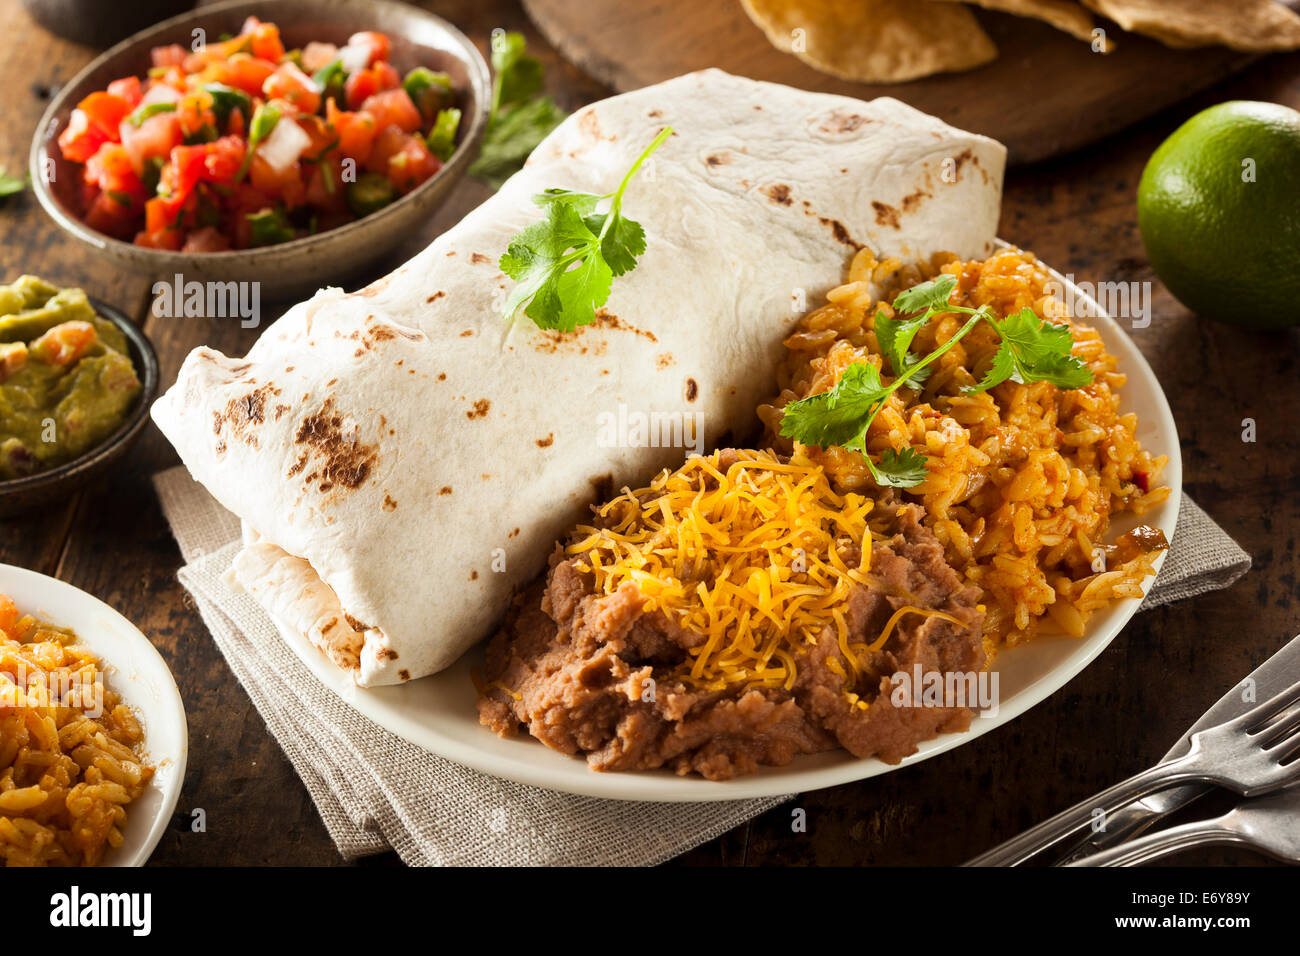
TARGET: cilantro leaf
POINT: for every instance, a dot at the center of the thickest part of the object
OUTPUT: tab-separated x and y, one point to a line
10	185
839	416
582	203
539	257
564	266
624	240
931	295
510	138
842	416
1034	350
519	117
518	76
895	335
904	469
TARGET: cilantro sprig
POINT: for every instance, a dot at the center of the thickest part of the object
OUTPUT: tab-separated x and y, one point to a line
565	265
520	116
1031	350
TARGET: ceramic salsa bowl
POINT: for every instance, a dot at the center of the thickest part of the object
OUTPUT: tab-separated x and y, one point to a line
419	39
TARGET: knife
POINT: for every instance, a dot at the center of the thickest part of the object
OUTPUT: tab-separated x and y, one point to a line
1270	678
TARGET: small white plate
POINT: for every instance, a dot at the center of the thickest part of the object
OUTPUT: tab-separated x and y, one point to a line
438	714
136	672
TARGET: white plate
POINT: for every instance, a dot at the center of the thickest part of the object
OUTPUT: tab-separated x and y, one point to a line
437	713
136	672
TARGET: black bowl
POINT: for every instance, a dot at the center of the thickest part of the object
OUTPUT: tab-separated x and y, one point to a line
22	494
100	22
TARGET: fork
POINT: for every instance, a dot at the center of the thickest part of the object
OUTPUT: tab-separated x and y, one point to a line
1248	754
1267	824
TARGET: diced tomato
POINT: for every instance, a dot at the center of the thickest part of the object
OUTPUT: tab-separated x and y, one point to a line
292	84
243	72
377	43
266	42
393	108
200	60
173	55
413	165
172	239
285	184
325	186
105	111
224	158
207	239
110	169
316	56
128	88
113	218
389	78
183	171
188	166
356	131
321	135
364	84
388	143
13	357
155	137
80	140
247	198
194	112
403	158
360	86
174	77
63	344
161	213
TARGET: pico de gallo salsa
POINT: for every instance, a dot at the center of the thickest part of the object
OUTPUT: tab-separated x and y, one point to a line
243	143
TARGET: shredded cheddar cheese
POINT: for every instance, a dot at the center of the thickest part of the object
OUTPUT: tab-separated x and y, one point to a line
880	641
759	560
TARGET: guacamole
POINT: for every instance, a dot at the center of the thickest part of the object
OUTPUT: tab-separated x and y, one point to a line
66	380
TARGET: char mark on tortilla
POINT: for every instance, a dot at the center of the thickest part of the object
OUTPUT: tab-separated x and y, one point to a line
344	460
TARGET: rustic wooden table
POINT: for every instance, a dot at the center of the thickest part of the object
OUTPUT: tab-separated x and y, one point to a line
1112	720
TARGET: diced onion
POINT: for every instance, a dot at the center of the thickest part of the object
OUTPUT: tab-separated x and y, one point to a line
160	93
354	58
287	142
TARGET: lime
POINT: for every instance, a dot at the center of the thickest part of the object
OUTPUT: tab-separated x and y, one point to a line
1219	210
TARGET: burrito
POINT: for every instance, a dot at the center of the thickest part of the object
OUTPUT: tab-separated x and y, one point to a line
404	459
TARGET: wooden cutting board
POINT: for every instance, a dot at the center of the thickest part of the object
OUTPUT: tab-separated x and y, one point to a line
1046	94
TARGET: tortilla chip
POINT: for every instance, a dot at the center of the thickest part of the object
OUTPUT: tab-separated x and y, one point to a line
1251	25
1066	15
875	41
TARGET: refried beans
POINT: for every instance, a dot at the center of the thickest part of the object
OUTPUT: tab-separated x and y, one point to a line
598	674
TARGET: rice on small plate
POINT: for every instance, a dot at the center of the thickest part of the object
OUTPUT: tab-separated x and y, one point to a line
93	740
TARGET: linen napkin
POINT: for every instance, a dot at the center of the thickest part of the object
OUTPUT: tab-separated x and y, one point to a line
375	791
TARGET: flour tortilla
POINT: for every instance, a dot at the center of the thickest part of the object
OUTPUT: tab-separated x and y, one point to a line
403	466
